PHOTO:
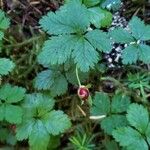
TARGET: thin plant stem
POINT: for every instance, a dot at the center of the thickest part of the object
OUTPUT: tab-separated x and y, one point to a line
77	75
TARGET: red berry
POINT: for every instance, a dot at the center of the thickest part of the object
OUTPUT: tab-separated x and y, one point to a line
83	93
13	128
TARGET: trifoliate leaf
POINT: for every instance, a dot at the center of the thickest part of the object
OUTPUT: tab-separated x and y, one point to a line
122	36
11	94
138	117
120	103
112	122
139	30
54	127
98	39
66	20
100	17
84	55
90	3
51	80
144	53
101	104
130	54
130	138
6	66
39	121
39	137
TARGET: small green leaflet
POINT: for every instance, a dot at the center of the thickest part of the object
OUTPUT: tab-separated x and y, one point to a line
113	110
40	121
137	48
9	97
6	66
51	80
134	138
138	117
100	17
4	23
111	4
130	138
70	41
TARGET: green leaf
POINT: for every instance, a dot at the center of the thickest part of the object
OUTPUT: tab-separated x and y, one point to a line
130	138
100	17
130	54
23	131
4	21
90	3
6	66
122	36
39	137
56	122
60	87
146	35
13	114
85	56
144	53
44	80
138	117
110	123
66	20
51	80
99	40
139	30
101	104
111	4
12	94
57	50
120	103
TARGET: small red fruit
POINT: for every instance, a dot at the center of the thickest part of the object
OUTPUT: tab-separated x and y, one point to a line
83	92
13	128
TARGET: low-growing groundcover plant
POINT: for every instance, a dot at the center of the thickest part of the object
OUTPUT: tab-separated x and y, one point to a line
71	75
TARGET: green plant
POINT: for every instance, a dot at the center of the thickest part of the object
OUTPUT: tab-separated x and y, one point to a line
113	110
135	136
82	141
135	38
6	64
71	63
71	39
40	121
